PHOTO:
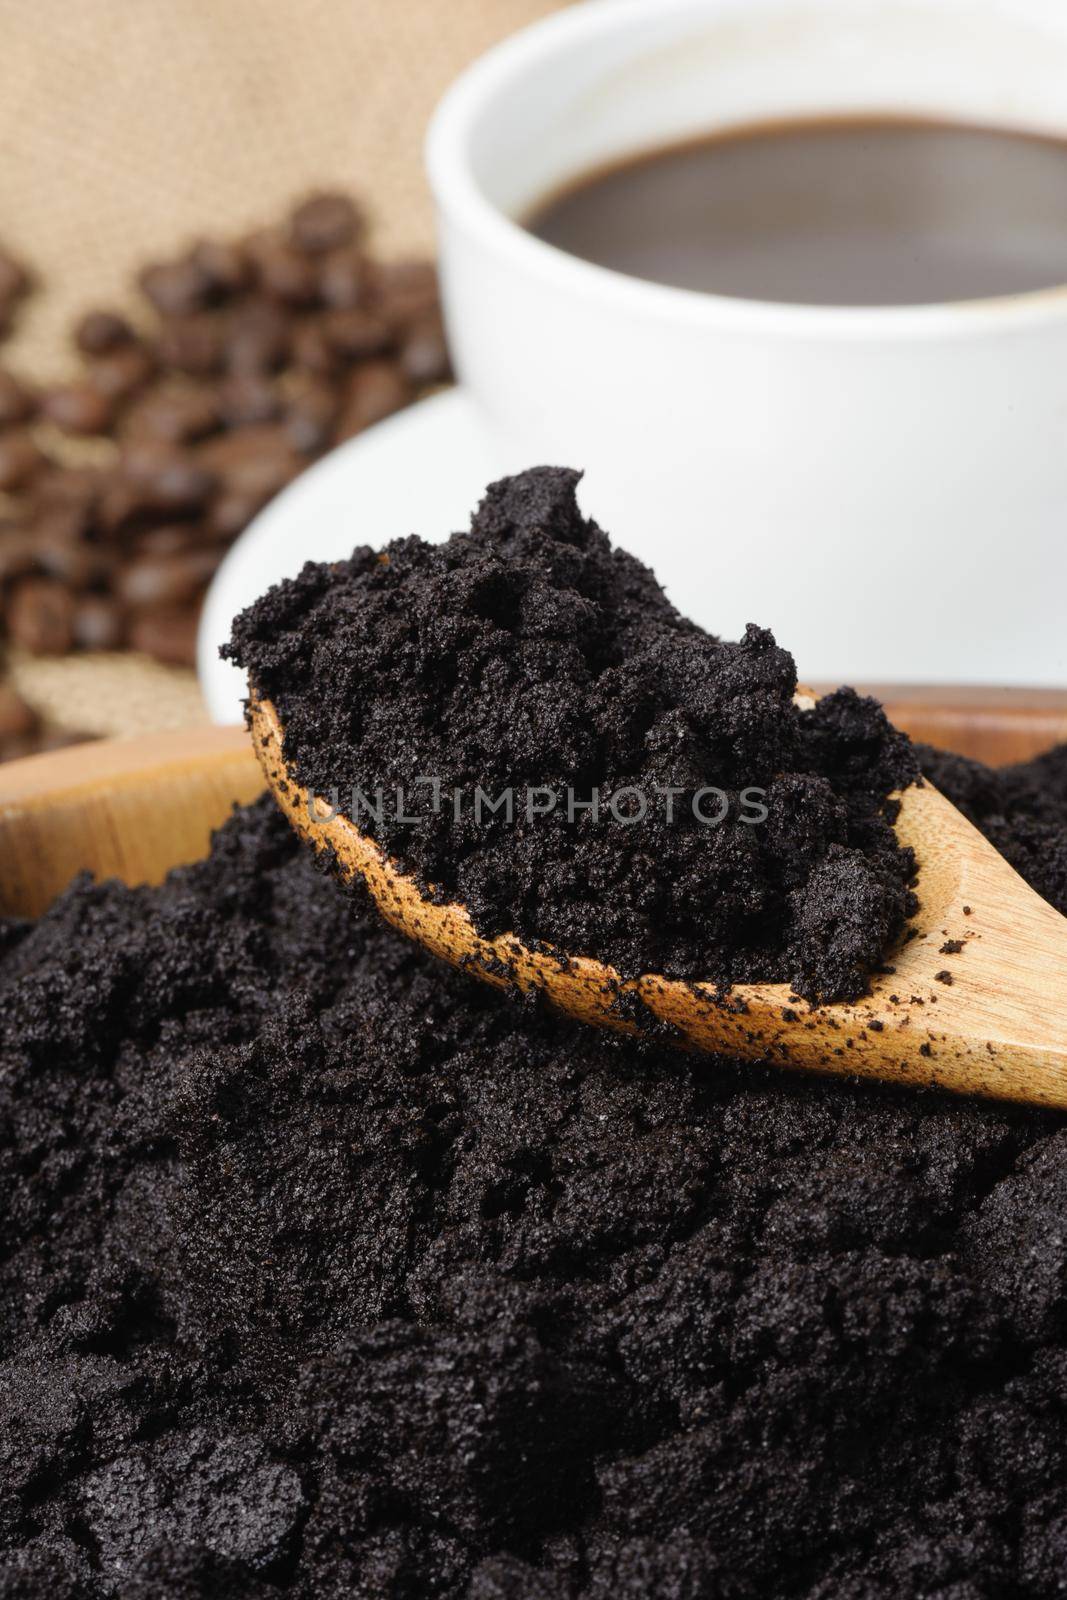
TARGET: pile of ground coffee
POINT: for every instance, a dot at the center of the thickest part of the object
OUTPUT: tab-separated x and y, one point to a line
326	1271
528	657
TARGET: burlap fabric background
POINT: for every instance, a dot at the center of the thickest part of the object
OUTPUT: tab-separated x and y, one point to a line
126	126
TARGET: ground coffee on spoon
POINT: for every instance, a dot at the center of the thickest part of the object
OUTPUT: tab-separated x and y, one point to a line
524	721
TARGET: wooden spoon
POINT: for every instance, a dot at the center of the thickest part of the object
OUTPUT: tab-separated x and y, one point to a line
987	1018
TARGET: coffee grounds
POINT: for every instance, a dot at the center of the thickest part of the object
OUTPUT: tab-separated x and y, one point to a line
529	655
326	1271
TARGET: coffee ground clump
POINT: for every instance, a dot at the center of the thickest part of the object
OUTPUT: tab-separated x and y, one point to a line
326	1271
528	657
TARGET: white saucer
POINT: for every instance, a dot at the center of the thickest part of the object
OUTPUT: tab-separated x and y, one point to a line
422	471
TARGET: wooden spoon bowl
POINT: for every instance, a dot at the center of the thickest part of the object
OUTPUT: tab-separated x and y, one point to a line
987	1018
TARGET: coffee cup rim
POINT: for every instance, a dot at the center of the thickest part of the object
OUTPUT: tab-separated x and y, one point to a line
460	198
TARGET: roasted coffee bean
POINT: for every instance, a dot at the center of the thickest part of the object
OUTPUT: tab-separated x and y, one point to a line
181	485
257	339
68	521
100	333
153	581
231	512
121	374
16	403
40	616
246	401
356	334
168	633
375	391
74	561
194	345
72	489
177	288
283	272
17	716
99	623
154	484
324	222
20	459
424	352
78	408
224	266
310	417
312	351
343	280
17	554
151	460
167	539
175	413
126	506
254	464
253	461
405	290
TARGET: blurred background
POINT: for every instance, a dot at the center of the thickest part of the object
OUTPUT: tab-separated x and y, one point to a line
181	335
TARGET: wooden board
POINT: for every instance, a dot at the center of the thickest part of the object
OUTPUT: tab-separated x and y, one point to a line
136	808
997	726
127	808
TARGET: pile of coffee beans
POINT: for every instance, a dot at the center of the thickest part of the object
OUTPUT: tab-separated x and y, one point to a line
122	488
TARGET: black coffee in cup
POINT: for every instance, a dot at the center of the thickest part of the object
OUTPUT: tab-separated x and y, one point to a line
858	211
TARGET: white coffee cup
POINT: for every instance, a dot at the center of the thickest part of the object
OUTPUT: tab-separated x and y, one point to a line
886	488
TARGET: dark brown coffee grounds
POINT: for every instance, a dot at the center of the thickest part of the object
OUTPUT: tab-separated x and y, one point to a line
529	655
326	1272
